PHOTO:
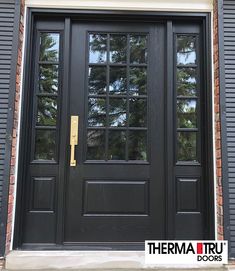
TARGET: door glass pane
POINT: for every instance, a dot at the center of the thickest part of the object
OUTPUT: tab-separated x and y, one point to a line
96	144
47	111
186	82
48	79
138	112
137	145
96	112
138	49
186	112
187	147
117	145
118	81
118	45
97	80
49	46
138	81
45	144
97	48
117	112
186	50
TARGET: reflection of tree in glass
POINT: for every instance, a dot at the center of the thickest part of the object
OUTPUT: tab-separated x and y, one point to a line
186	53
138	46
47	111
96	112
138	81
45	145
118	44
186	82
98	48
137	145
117	143
118	80
187	146
48	78
186	111
117	112
138	112
95	145
49	47
97	80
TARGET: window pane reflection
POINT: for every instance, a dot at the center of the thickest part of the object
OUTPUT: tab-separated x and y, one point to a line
49	46
138	112
138	49
96	112
186	82
118	81
186	50
117	144
97	80
186	112
97	48
45	145
138	81
117	112
48	78
47	111
187	147
118	44
96	144
137	147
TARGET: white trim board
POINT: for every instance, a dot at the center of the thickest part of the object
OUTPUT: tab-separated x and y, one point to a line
155	5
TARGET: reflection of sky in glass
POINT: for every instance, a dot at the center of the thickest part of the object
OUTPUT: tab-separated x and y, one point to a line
98	48
186	58
187	106
97	113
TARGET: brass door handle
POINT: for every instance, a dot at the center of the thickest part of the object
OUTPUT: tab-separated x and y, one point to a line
73	139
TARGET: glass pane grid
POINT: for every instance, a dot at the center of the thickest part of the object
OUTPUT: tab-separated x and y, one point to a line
187	98
47	97
125	83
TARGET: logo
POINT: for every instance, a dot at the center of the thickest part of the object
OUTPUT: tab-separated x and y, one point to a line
186	252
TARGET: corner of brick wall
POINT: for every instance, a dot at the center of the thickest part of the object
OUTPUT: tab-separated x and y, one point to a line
15	132
219	195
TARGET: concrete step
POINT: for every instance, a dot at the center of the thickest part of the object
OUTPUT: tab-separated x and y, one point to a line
91	260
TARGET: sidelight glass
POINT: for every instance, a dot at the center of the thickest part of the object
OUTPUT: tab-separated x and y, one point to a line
117	145
47	111
138	49
48	78
96	144
45	145
186	82
97	80
118	47
118	80
186	50
96	112
97	48
187	146
138	112
137	145
138	81
49	46
186	113
117	112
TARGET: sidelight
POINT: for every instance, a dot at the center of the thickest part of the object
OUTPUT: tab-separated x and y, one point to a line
187	98
47	96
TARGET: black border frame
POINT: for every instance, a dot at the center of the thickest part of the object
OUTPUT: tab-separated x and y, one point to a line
103	15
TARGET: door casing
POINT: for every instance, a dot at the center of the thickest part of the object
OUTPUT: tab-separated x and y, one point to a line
203	19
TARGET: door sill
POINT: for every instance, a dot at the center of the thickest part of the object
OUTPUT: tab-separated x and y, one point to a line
88	260
86	246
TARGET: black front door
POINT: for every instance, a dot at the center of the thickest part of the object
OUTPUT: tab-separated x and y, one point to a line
115	193
116	117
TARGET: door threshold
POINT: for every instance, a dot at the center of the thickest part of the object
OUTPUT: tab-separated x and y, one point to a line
89	260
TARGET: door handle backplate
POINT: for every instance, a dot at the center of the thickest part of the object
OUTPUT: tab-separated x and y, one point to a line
74	123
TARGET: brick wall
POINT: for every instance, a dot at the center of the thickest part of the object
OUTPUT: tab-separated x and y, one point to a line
218	161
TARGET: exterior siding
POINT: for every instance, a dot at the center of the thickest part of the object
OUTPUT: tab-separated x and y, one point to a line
227	83
8	46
